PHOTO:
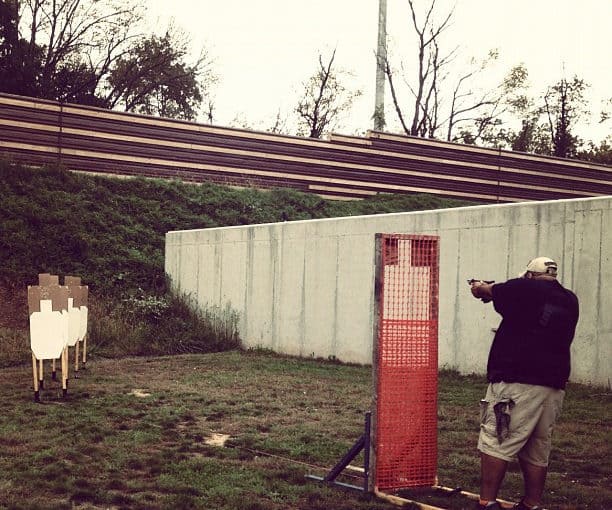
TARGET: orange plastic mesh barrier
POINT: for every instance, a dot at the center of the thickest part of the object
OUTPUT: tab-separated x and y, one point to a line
406	362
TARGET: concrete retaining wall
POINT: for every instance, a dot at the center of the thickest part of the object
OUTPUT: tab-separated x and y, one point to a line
306	288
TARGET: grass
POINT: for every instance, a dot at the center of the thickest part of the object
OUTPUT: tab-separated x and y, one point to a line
132	433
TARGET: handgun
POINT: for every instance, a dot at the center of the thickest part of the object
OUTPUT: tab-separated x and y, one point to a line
472	281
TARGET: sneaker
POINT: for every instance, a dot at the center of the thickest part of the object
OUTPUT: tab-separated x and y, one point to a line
495	506
522	506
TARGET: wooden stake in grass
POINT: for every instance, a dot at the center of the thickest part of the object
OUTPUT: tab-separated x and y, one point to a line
65	370
41	378
35	373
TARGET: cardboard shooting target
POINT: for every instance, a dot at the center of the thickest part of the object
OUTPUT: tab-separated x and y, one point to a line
46	279
74	316
72	281
48	320
83	307
77	309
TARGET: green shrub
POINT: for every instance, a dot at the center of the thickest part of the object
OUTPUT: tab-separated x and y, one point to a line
150	325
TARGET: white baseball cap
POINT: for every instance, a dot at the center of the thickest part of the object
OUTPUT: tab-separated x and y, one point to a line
543	265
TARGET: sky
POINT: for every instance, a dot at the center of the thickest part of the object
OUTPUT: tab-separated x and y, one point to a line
264	50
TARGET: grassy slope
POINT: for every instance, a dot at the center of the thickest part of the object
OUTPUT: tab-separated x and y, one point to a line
111	231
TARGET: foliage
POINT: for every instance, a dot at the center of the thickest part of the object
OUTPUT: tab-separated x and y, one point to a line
487	127
152	78
564	103
77	41
20	62
601	153
547	123
95	52
148	325
324	101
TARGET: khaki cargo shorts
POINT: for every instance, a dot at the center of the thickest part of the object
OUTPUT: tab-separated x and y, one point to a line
516	420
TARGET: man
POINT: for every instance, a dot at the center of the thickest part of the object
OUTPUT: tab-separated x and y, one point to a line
528	367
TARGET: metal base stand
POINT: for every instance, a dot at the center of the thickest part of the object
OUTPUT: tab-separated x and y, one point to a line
363	443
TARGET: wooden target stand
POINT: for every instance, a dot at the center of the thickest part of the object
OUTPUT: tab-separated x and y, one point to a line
399	440
52	331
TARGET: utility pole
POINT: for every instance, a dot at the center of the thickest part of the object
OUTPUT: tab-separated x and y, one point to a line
381	62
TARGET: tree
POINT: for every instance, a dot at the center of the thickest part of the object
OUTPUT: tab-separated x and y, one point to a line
547	123
444	100
490	127
280	124
20	63
153	78
78	51
601	153
480	112
430	63
324	100
79	40
564	103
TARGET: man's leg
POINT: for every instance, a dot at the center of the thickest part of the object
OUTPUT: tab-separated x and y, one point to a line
535	478
492	472
533	458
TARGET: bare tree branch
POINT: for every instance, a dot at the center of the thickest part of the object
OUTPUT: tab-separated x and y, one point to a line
394	97
324	99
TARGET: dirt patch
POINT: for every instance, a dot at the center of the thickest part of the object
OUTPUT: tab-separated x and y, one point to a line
140	393
216	439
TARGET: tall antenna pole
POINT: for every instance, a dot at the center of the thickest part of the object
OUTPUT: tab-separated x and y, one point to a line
381	62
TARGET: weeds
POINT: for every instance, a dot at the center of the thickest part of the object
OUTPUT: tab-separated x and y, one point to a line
160	325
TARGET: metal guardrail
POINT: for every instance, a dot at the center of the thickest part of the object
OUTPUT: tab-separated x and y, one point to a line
90	139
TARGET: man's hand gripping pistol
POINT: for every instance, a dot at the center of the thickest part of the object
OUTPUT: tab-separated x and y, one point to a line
473	281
